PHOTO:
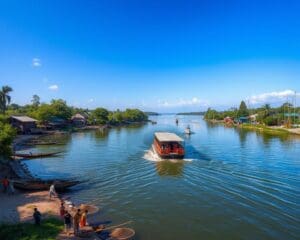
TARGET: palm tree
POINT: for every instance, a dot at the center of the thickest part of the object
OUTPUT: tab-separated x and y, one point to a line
4	97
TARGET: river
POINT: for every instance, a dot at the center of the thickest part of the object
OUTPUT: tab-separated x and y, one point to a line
232	184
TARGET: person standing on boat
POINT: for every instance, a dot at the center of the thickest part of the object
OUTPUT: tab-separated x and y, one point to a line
76	221
52	192
37	216
5	184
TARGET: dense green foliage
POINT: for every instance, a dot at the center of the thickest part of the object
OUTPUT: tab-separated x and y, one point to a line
48	229
58	109
7	134
214	114
129	115
99	116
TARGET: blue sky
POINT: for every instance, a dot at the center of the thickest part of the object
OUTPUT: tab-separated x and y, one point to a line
163	56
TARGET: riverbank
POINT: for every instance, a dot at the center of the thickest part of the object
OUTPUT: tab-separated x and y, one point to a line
17	221
19	206
270	130
275	130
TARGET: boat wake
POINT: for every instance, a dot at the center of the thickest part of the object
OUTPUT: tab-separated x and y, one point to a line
151	155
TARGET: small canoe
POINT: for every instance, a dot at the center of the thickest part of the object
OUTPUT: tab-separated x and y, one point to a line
43	143
35	155
60	185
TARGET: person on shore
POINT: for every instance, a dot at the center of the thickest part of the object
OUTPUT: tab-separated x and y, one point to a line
62	210
83	221
76	221
67	222
5	184
52	192
11	187
37	216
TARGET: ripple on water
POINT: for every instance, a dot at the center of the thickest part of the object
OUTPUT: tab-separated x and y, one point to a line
229	180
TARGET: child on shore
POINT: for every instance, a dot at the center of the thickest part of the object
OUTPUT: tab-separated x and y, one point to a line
37	216
67	221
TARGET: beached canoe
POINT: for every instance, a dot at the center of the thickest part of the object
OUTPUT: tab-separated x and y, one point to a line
60	185
42	143
35	155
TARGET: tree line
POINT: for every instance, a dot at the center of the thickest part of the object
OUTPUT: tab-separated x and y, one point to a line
264	114
57	108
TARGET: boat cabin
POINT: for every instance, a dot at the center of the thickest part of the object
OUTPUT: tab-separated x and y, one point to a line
168	145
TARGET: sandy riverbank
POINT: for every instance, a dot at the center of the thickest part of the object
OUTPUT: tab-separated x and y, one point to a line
19	207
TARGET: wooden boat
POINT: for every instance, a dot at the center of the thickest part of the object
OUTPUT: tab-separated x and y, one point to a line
168	145
60	185
35	155
188	130
44	143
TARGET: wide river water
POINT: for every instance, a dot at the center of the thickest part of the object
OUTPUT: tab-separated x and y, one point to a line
232	184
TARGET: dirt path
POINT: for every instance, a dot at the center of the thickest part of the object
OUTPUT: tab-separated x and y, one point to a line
19	207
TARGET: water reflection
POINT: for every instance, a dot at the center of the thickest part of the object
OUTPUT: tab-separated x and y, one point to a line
101	134
170	168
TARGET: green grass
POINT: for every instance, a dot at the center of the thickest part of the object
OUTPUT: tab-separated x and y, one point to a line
264	129
48	230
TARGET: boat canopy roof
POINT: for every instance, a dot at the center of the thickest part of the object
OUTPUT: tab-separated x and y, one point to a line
167	137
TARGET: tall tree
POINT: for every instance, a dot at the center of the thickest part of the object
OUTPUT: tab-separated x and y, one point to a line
35	100
243	110
99	116
267	109
5	97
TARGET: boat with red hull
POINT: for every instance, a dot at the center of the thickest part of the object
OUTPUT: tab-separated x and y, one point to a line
168	145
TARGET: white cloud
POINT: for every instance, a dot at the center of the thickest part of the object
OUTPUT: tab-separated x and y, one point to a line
183	103
36	62
272	97
53	87
91	100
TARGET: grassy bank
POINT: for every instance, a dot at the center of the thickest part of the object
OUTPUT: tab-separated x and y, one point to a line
262	128
48	229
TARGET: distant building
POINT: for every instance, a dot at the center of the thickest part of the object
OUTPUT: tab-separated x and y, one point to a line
243	119
24	124
56	123
79	120
228	120
253	117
